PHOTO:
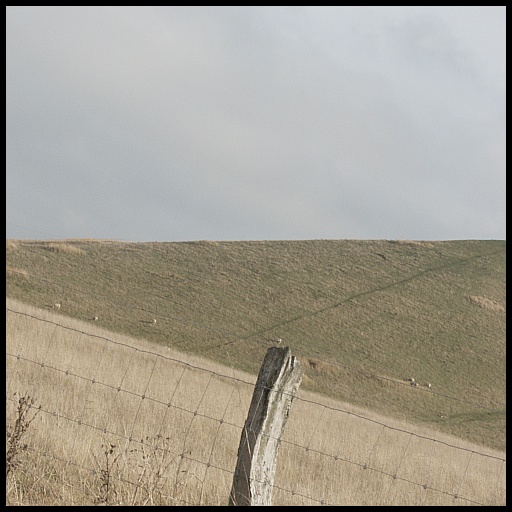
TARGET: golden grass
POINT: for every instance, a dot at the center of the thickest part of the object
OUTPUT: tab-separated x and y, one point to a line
63	247
11	245
105	401
486	303
17	272
412	243
392	309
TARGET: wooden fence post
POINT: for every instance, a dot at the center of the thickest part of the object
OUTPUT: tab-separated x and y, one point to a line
278	381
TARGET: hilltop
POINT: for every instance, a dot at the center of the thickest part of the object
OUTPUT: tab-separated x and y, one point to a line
362	315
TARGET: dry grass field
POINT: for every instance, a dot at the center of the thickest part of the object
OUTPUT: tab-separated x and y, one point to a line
123	420
363	316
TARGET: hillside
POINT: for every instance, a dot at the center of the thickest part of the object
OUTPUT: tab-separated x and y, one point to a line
363	315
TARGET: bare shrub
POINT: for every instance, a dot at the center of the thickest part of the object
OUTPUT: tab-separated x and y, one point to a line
107	491
14	435
152	467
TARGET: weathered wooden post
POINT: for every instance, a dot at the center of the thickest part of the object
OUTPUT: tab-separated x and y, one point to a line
278	381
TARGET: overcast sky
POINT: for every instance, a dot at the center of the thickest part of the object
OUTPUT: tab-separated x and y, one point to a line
255	123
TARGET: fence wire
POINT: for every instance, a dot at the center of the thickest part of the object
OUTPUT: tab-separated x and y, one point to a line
175	428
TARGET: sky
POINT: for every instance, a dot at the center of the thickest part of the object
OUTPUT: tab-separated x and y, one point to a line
255	123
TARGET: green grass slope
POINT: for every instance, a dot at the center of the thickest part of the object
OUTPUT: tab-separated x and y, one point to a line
362	315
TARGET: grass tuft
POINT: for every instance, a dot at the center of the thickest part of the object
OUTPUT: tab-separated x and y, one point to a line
62	247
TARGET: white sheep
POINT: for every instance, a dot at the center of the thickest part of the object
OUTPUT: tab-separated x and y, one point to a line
277	341
56	306
429	386
154	320
411	380
415	384
95	318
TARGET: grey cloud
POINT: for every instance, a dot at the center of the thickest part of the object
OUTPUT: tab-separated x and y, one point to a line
250	123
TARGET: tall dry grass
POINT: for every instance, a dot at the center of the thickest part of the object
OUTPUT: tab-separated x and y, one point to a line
123	421
390	309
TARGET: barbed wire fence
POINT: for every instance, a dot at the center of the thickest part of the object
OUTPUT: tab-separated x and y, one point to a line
262	337
175	427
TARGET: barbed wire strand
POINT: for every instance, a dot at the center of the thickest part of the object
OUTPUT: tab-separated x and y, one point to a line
192	419
293	492
136	416
494	496
266	341
367	463
236	379
397	468
429	471
183	455
90	385
169	403
195	413
457	494
307	447
216	436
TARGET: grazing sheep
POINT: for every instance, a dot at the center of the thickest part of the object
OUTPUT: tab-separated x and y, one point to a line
429	386
415	384
411	380
277	341
56	306
154	320
95	318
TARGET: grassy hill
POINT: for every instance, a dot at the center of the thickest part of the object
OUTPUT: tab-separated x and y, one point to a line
362	315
